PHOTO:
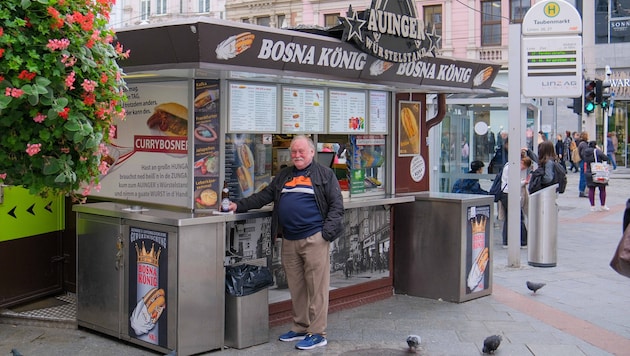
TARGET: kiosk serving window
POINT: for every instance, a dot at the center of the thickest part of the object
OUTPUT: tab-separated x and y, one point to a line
349	127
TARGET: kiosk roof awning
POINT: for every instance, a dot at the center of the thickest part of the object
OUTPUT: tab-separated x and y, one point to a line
211	44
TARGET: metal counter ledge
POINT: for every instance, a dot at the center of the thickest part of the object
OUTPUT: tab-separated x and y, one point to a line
185	218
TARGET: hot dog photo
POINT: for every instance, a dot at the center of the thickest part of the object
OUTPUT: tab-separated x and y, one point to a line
408	128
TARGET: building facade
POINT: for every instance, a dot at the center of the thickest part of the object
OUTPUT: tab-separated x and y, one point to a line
471	30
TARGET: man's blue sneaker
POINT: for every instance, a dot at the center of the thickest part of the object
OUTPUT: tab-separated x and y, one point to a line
311	341
292	336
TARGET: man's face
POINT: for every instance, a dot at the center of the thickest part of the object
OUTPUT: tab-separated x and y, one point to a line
301	153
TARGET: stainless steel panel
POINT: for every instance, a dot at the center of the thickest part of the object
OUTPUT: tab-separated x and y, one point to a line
99	269
247	320
201	288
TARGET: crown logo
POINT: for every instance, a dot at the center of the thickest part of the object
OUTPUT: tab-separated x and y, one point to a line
151	257
478	224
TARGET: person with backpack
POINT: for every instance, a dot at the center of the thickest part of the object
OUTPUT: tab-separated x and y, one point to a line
500	190
525	164
582	145
470	185
570	146
590	154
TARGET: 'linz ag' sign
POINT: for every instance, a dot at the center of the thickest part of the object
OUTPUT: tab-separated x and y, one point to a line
389	30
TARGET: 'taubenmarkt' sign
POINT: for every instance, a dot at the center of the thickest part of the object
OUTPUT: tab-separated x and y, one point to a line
389	30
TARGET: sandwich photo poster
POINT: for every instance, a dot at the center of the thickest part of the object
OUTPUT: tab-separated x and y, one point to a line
206	145
148	156
247	163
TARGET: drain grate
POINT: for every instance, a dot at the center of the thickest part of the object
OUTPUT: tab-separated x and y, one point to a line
59	308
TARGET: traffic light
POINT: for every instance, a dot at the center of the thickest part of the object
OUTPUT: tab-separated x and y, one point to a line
590	95
603	93
576	106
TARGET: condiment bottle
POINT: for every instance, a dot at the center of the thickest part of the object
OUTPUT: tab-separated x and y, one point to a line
225	198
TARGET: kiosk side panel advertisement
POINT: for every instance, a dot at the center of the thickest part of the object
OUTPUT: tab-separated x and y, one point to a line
148	285
477	248
206	149
148	155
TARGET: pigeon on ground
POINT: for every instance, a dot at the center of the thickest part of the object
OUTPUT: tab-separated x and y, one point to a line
533	286
413	341
15	352
491	344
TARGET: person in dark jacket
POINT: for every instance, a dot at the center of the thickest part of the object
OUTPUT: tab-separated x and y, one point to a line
581	146
588	156
308	214
470	185
561	153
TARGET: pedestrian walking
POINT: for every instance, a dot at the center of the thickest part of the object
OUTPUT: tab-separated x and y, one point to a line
589	155
526	161
560	151
308	215
582	145
570	146
610	150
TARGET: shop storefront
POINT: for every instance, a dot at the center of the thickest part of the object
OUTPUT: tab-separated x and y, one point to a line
618	119
213	102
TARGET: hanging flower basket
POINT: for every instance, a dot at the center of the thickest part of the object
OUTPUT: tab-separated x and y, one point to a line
60	90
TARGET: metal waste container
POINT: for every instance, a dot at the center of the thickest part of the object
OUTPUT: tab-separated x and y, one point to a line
542	234
247	304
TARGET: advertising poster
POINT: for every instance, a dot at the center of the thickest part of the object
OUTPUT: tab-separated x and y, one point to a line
477	248
148	156
206	145
148	285
248	163
367	157
409	128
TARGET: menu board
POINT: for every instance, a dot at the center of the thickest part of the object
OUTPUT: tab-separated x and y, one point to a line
347	112
378	112
207	187
252	108
302	110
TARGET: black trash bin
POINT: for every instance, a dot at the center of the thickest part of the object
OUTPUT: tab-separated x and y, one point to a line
246	301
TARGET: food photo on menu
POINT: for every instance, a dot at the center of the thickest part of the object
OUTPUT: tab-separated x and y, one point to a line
170	119
206	100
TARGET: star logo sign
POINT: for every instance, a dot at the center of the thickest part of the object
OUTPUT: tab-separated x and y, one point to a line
354	25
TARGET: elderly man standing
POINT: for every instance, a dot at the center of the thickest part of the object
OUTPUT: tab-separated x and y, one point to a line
308	215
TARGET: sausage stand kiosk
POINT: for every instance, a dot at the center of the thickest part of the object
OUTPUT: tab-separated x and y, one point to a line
212	101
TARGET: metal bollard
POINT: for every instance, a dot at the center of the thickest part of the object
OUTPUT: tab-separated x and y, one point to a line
542	234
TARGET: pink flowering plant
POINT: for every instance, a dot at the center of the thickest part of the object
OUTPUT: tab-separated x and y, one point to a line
60	90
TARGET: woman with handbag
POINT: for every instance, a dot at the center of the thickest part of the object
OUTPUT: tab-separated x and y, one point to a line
597	178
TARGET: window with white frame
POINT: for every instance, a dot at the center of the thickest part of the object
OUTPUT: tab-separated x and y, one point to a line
160	8
491	23
331	20
263	21
282	22
518	8
433	18
145	9
204	5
